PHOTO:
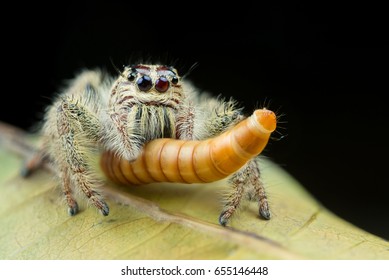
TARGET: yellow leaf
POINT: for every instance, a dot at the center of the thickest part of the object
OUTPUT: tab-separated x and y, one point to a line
172	221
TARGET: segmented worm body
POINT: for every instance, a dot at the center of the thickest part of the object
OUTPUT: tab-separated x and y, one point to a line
184	161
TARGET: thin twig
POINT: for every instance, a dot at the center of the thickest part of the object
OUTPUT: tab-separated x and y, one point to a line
16	140
19	142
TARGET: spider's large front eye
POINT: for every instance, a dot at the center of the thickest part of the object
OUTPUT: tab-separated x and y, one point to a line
144	83
162	84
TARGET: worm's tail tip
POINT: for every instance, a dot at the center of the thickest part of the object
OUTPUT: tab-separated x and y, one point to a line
266	118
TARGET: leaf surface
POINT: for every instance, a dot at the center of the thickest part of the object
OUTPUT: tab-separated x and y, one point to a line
172	221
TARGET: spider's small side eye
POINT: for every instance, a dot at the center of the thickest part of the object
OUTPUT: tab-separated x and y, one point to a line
162	84
144	83
131	77
174	80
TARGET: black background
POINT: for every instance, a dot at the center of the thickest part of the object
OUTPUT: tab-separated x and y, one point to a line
323	66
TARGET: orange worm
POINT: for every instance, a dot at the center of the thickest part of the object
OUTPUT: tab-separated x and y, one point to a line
194	161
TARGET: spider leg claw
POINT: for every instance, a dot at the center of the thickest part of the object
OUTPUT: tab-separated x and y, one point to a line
73	210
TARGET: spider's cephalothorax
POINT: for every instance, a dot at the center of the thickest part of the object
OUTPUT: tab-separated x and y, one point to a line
148	99
99	113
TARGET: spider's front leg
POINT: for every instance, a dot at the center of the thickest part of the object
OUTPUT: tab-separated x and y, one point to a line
70	134
78	131
246	183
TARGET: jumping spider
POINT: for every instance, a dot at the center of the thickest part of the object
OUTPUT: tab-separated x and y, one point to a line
144	102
